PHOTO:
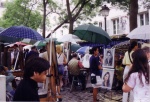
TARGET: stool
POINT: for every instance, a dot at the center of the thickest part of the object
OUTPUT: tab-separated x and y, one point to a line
75	79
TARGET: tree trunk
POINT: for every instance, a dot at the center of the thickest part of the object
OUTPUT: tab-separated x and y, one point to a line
44	17
133	11
71	27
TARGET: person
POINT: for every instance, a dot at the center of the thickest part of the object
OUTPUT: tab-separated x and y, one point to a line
119	74
9	78
95	69
137	79
32	53
109	58
74	66
106	79
35	71
61	59
127	60
147	51
15	53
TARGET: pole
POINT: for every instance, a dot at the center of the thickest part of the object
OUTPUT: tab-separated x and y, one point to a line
105	23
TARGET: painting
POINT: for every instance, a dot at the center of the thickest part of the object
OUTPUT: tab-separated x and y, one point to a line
107	78
109	55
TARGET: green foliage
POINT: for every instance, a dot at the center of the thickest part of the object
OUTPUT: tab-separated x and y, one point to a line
123	4
19	12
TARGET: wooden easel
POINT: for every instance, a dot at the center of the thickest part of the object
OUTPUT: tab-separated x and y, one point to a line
53	72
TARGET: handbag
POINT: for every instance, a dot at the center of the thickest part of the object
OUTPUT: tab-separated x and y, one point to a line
93	79
96	80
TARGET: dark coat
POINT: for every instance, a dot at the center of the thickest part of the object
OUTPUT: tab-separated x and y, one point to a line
27	90
108	62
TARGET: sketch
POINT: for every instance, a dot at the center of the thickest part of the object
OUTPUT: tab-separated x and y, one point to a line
107	78
109	58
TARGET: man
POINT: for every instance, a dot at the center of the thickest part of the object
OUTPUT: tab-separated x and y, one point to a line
34	72
74	66
32	53
109	58
14	56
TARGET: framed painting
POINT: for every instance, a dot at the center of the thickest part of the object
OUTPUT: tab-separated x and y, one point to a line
109	55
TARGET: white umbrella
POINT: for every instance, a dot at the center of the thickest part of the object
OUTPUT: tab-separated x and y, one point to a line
28	41
69	38
142	32
28	47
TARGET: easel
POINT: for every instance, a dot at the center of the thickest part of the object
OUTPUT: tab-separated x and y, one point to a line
52	73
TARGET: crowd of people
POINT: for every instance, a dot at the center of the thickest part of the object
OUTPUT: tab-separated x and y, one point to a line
131	71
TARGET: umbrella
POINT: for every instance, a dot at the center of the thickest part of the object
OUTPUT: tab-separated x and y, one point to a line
142	32
28	47
28	41
92	33
18	43
83	50
75	47
69	38
40	43
55	39
21	32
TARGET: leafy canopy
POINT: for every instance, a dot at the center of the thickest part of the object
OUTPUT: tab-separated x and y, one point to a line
19	12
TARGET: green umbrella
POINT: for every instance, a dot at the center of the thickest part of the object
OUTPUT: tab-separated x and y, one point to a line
75	47
92	33
40	43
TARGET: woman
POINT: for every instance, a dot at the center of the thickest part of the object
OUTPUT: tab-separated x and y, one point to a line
138	78
61	59
106	79
127	60
9	78
95	69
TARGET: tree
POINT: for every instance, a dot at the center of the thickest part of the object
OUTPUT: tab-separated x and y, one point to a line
20	12
48	7
81	10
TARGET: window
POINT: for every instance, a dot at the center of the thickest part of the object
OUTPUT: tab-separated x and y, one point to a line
144	18
141	19
100	24
115	26
1	4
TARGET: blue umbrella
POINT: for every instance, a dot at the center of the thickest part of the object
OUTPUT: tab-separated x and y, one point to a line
21	32
83	50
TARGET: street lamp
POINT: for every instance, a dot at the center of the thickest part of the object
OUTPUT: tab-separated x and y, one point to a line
104	12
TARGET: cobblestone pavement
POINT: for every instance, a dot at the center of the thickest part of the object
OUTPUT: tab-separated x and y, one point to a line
86	96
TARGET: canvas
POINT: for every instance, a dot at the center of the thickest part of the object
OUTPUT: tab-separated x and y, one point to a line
109	55
107	78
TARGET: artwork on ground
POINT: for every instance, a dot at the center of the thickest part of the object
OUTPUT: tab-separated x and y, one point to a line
107	78
109	55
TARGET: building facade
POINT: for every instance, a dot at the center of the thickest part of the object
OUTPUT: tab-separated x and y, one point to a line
117	21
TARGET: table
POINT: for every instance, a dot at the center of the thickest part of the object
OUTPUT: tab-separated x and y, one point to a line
17	73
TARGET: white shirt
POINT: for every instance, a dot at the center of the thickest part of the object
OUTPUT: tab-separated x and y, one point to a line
60	58
141	93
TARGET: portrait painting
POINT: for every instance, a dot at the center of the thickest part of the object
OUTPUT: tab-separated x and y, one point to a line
109	55
107	78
